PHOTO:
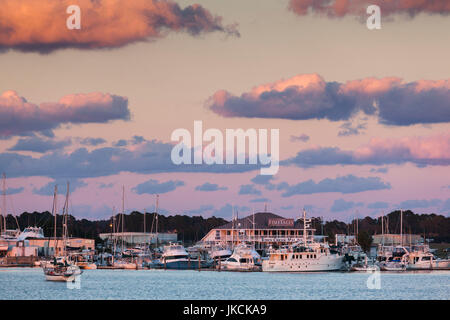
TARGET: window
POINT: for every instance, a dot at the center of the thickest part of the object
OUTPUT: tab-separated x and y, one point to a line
217	234
231	260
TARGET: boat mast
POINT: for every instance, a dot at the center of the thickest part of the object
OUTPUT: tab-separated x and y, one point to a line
113	231
65	216
55	212
145	240
304	227
232	226
4	213
401	227
357	228
123	209
156	213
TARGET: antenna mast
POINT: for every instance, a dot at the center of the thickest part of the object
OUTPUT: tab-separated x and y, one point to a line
4	213
55	213
401	227
123	209
156	213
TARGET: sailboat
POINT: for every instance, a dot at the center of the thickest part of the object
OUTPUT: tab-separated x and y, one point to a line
7	234
393	259
61	269
122	263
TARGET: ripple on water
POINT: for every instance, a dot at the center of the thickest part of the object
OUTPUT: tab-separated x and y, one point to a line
29	283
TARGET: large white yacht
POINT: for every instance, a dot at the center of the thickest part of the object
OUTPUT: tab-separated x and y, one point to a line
244	258
305	256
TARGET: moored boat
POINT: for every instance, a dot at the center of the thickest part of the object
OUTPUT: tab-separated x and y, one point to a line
244	258
175	256
420	258
305	256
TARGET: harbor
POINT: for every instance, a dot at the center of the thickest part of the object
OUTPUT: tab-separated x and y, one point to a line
266	243
261	247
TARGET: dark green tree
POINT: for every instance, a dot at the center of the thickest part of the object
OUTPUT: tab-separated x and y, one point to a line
364	240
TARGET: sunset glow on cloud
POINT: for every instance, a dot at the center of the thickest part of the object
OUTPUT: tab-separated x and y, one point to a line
340	8
18	116
432	150
40	26
309	96
361	115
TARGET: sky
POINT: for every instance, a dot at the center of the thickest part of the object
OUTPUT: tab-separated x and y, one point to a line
363	114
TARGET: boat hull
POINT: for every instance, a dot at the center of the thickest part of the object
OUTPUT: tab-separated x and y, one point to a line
61	278
426	265
241	268
183	265
326	263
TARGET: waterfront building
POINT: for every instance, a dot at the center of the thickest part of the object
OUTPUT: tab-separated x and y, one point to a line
43	246
263	229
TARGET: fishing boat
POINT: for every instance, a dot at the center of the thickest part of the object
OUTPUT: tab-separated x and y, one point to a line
61	269
244	258
304	256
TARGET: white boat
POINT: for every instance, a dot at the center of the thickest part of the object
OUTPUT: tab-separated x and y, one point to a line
175	256
304	256
364	266
220	253
394	265
423	259
61	269
86	265
244	258
120	264
31	232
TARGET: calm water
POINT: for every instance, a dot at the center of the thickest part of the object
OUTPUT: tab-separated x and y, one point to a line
29	283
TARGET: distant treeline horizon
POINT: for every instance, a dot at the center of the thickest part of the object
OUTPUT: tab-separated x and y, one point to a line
193	228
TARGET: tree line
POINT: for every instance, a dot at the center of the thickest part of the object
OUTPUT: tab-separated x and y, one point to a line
192	228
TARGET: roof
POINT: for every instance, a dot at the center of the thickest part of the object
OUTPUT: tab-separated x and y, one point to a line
261	222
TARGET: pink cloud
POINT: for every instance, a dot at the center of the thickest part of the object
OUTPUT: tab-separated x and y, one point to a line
309	96
422	151
341	8
18	116
435	148
40	26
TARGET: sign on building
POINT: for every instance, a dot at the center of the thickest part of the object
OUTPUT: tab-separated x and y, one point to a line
281	222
